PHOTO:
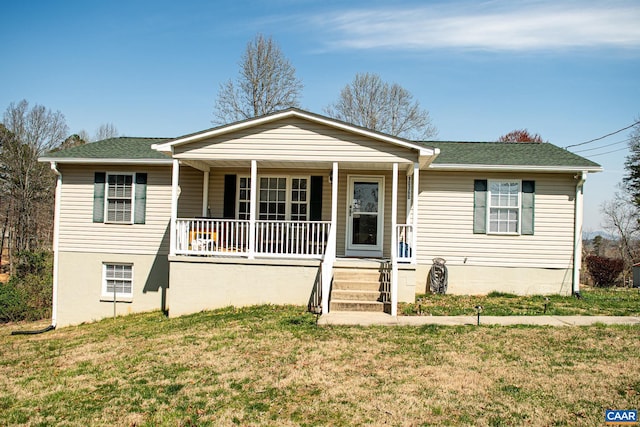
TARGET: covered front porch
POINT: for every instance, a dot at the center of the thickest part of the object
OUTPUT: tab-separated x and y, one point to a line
359	218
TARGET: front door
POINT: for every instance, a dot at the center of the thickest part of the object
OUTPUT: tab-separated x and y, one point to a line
365	216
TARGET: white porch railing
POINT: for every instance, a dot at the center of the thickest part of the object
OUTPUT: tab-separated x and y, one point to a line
404	234
212	237
298	239
292	238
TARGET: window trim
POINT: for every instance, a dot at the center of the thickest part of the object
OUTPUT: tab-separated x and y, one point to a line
489	205
288	199
120	296
132	198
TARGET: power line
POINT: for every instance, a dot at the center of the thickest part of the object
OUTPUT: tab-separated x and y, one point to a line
604	136
603	146
608	152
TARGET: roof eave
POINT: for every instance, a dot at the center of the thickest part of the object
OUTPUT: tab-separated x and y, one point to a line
427	156
74	160
515	168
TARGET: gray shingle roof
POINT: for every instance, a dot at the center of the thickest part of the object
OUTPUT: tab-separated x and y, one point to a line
507	154
124	148
451	153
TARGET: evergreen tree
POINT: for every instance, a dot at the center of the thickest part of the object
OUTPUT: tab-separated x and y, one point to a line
631	180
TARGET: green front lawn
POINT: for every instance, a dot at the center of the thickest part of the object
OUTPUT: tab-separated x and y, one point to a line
272	366
594	301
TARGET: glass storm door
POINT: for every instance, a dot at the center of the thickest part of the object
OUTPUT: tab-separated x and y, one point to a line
365	216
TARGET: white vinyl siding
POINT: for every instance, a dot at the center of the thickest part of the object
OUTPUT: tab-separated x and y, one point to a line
78	232
446	223
296	140
190	192
117	279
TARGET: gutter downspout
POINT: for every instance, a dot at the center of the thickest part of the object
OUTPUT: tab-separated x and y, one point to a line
577	232
56	240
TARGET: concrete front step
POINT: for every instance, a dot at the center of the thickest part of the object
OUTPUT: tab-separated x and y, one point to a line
370	306
356	295
357	288
356	274
356	285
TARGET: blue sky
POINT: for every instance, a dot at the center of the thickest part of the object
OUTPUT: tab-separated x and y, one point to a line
569	70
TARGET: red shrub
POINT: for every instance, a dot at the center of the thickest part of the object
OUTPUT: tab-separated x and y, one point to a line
604	271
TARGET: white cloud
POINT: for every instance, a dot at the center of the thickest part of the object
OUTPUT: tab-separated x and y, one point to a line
496	25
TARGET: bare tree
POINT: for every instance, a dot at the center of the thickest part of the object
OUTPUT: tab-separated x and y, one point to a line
266	83
26	184
84	136
384	107
39	128
106	131
621	221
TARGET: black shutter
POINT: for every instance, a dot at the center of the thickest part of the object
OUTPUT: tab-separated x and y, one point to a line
99	180
480	206
140	198
229	211
315	199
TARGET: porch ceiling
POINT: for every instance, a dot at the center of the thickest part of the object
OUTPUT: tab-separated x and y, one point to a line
205	165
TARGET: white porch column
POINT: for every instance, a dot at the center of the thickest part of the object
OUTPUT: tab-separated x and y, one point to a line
334	199
205	194
577	233
330	252
414	222
394	241
253	209
175	176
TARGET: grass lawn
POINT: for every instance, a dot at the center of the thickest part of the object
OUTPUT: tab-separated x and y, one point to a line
271	365
594	301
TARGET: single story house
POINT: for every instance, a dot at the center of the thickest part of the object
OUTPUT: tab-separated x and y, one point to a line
294	207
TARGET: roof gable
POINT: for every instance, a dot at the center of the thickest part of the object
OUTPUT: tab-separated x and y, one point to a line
286	114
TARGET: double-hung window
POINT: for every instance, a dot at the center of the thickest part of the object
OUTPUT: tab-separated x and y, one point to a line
117	279
504	207
119	198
